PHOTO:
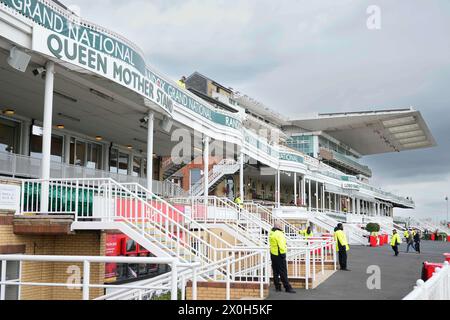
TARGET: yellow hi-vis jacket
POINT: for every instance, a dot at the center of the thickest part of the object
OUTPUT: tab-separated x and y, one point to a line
341	238
277	241
306	234
239	202
181	84
396	240
406	234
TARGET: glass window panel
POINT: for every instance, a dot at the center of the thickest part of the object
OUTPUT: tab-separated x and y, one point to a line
137	161
80	153
195	176
12	270
113	161
12	274
123	163
72	151
9	136
57	148
94	160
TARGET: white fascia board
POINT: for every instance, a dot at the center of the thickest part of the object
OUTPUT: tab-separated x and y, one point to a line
15	28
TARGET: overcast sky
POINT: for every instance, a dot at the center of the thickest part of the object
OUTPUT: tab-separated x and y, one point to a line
301	56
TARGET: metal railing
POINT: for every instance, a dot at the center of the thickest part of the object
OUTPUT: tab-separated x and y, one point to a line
436	288
217	210
226	166
264	214
157	223
144	289
28	167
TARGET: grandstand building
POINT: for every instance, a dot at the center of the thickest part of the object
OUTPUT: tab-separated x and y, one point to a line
87	138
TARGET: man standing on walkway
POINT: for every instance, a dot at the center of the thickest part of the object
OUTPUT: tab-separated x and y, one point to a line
410	241
417	241
395	242
278	251
341	246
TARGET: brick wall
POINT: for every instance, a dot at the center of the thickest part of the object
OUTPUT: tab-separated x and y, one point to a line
90	243
217	291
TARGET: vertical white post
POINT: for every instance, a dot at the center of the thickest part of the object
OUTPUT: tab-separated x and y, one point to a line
278	193
329	202
47	133
86	279
317	196
66	150
228	283
323	197
303	190
194	283
241	177
295	188
3	279
309	196
206	141
174	282
151	120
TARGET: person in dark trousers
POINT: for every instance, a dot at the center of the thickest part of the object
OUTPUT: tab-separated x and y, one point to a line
278	251
395	242
410	241
341	246
417	241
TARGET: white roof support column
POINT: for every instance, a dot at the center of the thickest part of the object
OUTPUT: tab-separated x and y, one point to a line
317	196
309	195
151	120
295	189
241	177
47	133
206	141
323	197
278	189
303	190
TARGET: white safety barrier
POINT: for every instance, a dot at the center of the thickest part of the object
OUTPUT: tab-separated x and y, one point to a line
436	288
85	284
28	167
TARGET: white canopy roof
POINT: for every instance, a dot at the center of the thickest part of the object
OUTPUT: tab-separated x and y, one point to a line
372	132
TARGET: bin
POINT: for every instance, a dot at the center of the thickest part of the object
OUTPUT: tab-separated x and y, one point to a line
433	237
428	269
373	241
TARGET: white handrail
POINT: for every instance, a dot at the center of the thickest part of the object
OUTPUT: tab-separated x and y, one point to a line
86	285
152	217
436	288
226	166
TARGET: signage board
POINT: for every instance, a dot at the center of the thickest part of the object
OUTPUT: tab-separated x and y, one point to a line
9	197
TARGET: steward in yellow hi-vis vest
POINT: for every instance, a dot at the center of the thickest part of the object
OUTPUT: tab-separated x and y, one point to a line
307	233
341	246
395	242
238	201
182	82
278	251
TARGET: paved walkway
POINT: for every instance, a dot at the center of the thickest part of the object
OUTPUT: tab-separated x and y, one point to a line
398	274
